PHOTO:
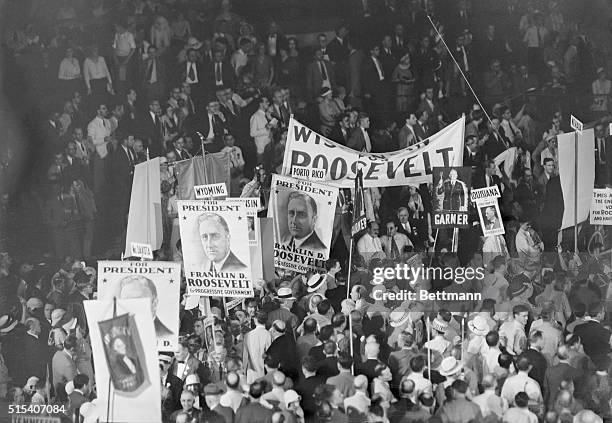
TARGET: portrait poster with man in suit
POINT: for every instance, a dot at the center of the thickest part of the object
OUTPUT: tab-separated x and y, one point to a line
215	244
490	217
159	281
123	345
303	213
451	186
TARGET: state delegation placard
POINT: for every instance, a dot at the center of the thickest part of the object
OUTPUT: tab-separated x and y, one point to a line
303	213
215	244
159	281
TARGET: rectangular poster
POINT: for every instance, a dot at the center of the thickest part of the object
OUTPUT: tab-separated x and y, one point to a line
339	164
252	207
451	196
601	207
215	243
159	281
490	217
125	359
303	214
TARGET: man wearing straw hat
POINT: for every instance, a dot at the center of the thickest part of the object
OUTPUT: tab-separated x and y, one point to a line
438	343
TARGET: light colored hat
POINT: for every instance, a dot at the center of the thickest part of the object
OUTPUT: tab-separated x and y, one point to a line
7	323
164	357
315	282
69	387
34	303
285	293
31	383
291	396
398	318
380	288
450	366
192	379
439	325
91	411
56	316
479	326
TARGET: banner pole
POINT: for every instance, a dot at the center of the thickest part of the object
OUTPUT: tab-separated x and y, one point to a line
350	268
351	343
110	381
428	350
225	307
575	192
434	247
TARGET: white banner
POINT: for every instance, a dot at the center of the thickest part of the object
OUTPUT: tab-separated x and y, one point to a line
490	217
410	166
215	243
160	281
303	215
125	356
252	206
601	207
586	174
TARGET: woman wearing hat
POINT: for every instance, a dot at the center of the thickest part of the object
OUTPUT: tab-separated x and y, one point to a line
438	343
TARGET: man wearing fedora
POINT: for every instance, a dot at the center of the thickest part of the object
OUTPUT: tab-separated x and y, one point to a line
460	409
285	300
438	342
212	396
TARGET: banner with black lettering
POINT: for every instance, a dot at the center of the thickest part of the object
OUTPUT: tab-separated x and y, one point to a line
410	166
451	196
125	357
159	281
303	213
215	243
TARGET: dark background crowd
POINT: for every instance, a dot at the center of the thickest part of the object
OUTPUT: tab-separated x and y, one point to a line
92	88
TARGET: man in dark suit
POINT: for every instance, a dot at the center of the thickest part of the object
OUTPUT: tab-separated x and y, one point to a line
212	395
212	127
35	353
387	56
149	129
486	176
328	367
179	149
215	235
421	128
594	336
282	349
471	154
360	139
320	73
455	192
337	49
192	72
219	73
375	80
306	387
172	385
122	164
495	142
79	396
491	219
301	221
341	132
153	75
400	41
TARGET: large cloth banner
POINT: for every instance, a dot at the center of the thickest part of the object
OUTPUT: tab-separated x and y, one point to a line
124	353
211	169
159	281
145	216
410	166
586	174
303	213
215	243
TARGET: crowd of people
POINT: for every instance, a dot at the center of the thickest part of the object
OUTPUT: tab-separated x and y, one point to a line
106	85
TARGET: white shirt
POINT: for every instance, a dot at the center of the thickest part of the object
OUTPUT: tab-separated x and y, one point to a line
368	245
368	143
490	403
521	382
124	43
258	130
211	131
95	70
195	70
97	130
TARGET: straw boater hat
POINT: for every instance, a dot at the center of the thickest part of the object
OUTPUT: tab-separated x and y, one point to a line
519	285
439	325
479	326
315	282
285	293
398	317
194	43
7	323
450	366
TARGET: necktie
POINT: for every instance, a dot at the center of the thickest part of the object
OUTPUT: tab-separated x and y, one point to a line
368	144
150	72
220	372
192	75
602	150
394	250
130	158
158	125
218	74
323	71
538	36
292	243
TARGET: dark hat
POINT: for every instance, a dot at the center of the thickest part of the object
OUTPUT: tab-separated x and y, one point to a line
212	389
518	285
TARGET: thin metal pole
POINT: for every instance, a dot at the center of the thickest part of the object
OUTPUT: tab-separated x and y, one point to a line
428	350
460	70
110	381
351	343
575	192
350	265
